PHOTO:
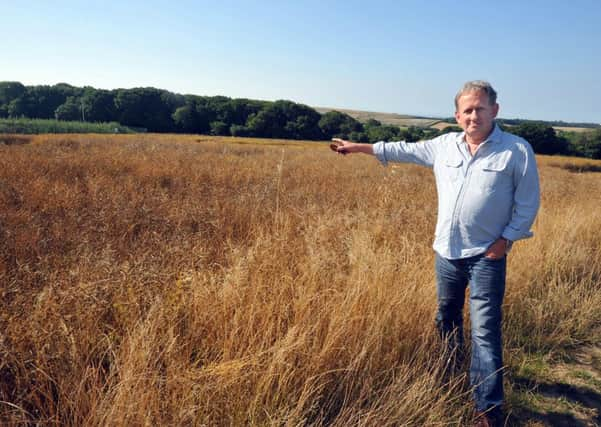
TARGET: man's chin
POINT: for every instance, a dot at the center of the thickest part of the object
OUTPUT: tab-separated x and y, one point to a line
478	131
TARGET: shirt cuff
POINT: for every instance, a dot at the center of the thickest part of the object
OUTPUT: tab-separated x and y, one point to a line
513	235
379	152
508	244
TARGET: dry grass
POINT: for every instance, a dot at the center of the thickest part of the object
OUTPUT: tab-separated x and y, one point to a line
182	280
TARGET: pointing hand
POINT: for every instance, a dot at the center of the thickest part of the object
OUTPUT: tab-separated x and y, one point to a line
340	146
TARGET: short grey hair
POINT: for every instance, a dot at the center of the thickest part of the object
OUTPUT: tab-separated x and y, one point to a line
477	85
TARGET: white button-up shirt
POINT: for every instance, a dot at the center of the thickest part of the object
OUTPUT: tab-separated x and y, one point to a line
494	193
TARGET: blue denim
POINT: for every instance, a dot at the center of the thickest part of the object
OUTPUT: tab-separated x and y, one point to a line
486	278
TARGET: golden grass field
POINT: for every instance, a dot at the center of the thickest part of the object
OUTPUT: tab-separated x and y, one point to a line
193	280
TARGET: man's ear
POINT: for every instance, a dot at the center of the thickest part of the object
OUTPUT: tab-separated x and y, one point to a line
457	116
496	109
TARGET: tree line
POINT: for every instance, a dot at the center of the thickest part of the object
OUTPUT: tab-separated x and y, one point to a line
544	139
158	110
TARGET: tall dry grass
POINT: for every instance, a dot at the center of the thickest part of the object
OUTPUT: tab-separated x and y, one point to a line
181	280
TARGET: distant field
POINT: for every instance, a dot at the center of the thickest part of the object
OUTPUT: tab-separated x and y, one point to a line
385	118
572	129
188	280
440	125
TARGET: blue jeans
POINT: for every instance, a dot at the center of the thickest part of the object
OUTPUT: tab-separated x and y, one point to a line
486	278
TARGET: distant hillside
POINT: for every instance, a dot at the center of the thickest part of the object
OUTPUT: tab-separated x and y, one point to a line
394	119
404	120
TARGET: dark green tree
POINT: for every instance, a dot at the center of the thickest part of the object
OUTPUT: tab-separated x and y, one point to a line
21	107
222	109
285	119
219	128
335	124
185	118
194	116
450	128
241	109
587	144
8	92
148	108
358	137
431	133
239	130
382	133
41	101
541	137
71	109
372	123
412	134
99	105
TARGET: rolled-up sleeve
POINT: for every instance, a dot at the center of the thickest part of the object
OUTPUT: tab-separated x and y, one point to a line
526	200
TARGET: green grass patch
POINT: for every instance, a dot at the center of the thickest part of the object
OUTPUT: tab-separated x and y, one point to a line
531	408
36	126
534	367
588	378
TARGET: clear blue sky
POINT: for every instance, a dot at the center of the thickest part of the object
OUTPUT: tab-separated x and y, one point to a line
408	57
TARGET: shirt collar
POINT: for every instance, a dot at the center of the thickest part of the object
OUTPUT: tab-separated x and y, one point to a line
495	135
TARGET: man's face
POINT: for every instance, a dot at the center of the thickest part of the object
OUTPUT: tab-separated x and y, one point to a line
476	115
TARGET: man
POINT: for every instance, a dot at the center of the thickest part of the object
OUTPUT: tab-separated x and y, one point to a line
488	197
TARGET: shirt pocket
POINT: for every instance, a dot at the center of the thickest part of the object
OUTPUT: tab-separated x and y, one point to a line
494	174
452	169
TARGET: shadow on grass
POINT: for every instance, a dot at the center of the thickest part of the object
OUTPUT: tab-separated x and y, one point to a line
578	168
585	398
9	139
